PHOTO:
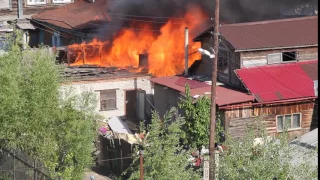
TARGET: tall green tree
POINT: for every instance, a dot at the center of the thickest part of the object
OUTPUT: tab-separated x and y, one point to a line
164	157
197	116
36	119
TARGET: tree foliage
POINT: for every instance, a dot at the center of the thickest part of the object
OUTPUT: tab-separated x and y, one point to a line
271	159
164	158
35	119
197	115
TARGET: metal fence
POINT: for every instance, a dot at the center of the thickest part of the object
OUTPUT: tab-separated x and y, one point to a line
16	166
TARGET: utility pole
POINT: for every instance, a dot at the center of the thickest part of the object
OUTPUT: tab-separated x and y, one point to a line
213	93
141	164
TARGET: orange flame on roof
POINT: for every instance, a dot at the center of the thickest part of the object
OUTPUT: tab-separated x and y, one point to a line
165	50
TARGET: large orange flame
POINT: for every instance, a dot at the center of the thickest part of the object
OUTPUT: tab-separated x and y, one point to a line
165	50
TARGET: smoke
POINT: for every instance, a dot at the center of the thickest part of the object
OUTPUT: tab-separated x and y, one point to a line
231	11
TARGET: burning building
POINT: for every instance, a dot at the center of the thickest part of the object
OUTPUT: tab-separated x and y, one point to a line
162	40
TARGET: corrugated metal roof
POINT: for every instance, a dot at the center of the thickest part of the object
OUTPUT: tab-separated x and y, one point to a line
224	96
310	138
282	33
281	81
80	15
192	84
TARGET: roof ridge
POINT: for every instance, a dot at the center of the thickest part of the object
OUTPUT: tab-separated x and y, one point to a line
270	21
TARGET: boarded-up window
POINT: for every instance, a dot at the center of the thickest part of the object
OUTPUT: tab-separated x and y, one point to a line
274	58
108	100
4	4
288	121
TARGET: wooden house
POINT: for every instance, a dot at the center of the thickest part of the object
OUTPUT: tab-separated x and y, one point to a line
72	23
17	13
276	62
273	61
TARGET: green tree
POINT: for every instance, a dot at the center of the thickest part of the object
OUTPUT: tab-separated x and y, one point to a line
164	158
197	115
271	159
36	120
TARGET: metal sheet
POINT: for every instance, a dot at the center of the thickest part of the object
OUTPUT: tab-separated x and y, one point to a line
118	126
25	26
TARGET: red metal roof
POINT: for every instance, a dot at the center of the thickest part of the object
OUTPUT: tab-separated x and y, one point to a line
281	81
80	15
225	96
192	84
272	34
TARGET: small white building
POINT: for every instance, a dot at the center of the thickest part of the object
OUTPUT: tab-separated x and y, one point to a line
119	92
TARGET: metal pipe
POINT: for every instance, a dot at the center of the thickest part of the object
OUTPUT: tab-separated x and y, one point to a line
186	46
20	10
265	103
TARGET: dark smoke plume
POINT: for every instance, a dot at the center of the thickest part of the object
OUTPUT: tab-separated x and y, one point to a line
231	11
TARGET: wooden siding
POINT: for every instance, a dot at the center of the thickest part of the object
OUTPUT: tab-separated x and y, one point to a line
238	119
259	58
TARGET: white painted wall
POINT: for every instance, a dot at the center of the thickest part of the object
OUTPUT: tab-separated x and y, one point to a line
121	84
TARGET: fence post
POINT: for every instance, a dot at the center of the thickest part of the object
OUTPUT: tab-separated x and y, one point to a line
14	165
35	169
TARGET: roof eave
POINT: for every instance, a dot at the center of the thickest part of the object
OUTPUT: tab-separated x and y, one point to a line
274	48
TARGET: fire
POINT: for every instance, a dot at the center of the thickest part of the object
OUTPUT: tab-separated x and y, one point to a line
165	50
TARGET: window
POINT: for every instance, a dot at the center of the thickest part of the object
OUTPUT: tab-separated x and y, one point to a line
289	56
289	121
36	2
61	1
56	40
108	100
5	4
282	57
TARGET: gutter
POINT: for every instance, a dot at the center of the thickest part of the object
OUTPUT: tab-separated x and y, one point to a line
265	103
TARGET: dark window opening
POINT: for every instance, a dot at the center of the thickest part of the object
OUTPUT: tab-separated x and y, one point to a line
289	56
108	100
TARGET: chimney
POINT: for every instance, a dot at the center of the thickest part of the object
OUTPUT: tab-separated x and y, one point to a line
186	46
143	61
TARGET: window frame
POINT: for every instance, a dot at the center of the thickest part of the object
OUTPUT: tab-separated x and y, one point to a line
36	3
59	2
284	120
115	99
58	36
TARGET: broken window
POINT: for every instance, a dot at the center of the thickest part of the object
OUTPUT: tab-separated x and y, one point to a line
281	57
108	100
289	122
288	56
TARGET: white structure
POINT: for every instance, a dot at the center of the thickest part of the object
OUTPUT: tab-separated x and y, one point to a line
117	95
